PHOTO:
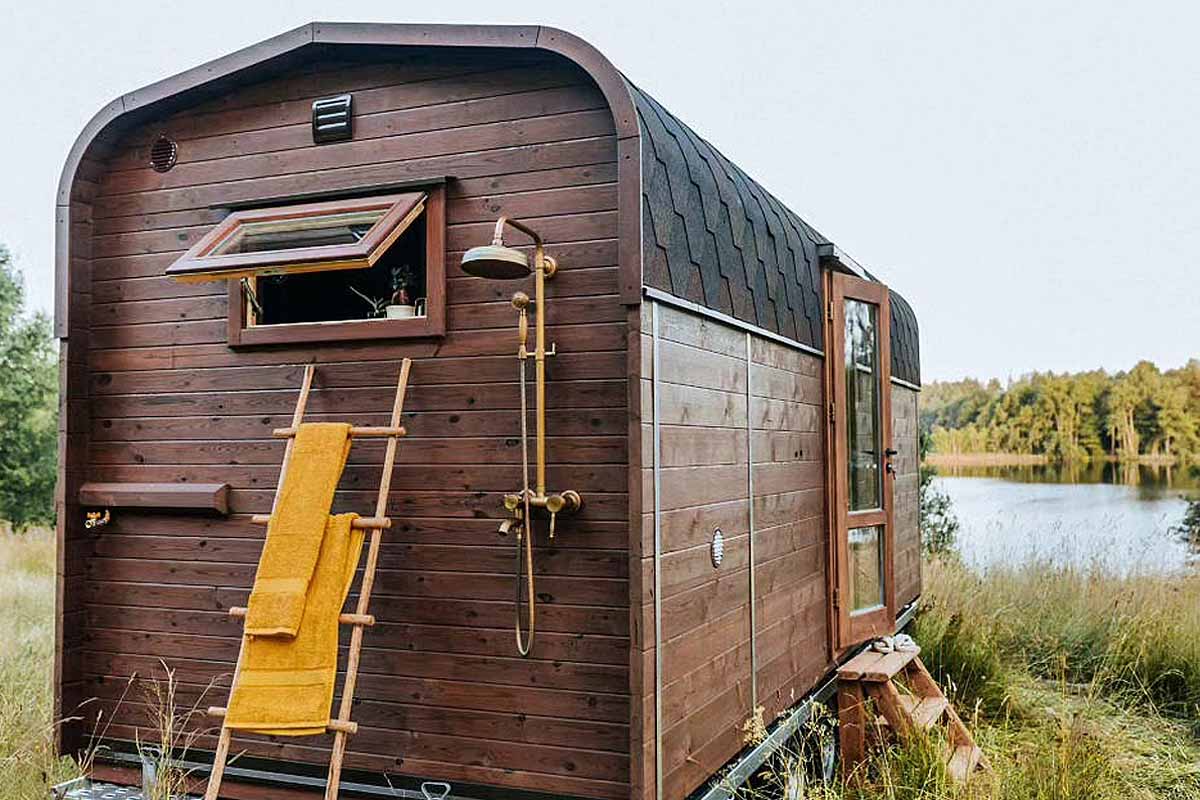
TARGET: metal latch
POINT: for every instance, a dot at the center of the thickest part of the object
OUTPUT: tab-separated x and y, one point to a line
435	790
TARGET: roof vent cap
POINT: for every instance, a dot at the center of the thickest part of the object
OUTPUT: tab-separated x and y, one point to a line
331	120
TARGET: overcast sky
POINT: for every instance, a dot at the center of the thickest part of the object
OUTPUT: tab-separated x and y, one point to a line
1026	174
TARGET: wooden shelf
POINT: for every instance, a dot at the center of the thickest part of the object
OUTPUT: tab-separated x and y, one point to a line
191	496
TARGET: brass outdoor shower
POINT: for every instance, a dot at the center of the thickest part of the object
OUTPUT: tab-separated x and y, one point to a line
498	262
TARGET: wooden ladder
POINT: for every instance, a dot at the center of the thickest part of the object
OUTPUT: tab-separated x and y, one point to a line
341	726
916	704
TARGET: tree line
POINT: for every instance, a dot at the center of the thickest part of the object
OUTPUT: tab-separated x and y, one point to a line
1144	413
28	406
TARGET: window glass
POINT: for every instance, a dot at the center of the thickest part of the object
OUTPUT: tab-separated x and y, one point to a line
292	234
866	568
864	459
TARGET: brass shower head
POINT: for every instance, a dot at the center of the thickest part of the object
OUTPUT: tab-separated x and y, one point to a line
497	262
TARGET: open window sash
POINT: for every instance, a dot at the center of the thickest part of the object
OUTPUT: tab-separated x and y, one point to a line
313	237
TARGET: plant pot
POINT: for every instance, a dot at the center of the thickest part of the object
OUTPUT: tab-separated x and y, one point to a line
397	311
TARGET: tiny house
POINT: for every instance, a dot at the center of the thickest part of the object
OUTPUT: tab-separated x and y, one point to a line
732	397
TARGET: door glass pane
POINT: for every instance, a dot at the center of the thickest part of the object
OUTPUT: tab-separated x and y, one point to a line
862	405
866	568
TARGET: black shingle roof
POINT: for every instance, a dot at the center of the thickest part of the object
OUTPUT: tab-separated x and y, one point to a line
712	235
906	346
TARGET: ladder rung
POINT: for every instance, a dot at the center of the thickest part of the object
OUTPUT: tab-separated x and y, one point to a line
363	431
335	725
346	619
367	523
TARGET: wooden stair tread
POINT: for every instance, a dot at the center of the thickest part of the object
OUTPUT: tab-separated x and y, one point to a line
924	711
900	708
876	667
963	761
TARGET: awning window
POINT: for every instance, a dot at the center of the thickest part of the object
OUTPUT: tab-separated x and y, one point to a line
335	235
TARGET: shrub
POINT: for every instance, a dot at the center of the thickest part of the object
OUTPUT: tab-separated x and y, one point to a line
938	522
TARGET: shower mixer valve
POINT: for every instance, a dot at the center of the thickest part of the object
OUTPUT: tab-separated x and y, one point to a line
568	500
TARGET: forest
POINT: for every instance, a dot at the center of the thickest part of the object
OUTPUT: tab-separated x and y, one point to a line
28	406
1144	414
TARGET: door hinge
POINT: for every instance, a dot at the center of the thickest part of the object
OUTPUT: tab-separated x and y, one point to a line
829	311
832	413
837	598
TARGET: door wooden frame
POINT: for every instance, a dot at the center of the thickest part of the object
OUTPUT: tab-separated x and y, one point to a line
846	629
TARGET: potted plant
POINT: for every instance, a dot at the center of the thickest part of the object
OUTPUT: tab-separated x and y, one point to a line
402	304
377	304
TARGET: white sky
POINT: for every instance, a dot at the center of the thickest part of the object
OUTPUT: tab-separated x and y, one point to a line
1027	174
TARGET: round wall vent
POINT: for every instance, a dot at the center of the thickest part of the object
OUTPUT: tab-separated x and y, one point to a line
163	153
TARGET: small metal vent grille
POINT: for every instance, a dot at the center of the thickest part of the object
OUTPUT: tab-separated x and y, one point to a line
717	550
163	153
331	119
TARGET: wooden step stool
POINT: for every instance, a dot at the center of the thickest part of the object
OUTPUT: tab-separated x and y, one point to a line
918	704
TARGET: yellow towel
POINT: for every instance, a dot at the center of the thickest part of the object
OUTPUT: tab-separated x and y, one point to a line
285	684
296	529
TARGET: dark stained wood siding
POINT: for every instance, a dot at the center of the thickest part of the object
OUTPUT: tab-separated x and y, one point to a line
715	405
442	694
907	463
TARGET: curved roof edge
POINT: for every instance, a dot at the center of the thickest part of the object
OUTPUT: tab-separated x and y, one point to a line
565	44
108	119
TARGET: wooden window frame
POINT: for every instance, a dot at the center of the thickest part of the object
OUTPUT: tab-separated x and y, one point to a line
359	255
851	629
200	264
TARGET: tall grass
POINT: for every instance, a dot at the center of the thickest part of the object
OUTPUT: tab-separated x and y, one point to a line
1078	684
173	733
28	766
1135	638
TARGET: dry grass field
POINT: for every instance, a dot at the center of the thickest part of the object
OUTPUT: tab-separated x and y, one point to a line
27	762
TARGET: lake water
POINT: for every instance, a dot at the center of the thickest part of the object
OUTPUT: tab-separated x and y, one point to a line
1115	516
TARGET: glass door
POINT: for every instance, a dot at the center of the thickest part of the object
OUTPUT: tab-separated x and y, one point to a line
858	384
